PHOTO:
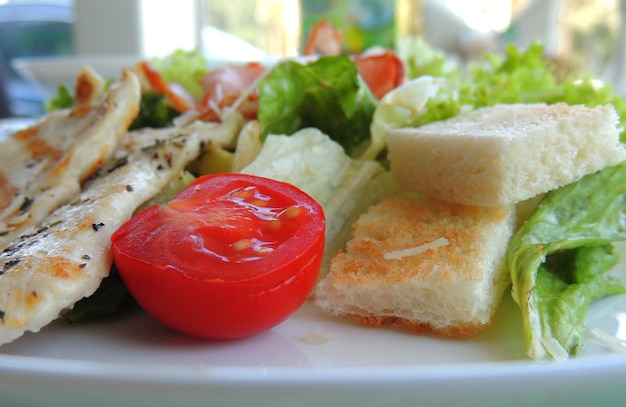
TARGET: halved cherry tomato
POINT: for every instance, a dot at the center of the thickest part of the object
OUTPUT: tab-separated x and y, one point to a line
232	255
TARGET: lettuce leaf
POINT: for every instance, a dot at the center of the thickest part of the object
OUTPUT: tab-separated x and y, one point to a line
327	94
183	67
401	107
422	59
559	258
110	298
63	100
154	111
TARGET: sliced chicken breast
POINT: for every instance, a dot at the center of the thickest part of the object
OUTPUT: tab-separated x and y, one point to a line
51	266
43	166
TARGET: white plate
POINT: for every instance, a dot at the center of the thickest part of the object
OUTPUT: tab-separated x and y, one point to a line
309	360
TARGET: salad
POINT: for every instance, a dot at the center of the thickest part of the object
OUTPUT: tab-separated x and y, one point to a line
320	124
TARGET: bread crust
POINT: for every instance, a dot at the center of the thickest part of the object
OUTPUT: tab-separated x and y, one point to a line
422	328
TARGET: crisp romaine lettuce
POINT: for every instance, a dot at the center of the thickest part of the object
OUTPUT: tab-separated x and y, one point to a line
327	94
559	258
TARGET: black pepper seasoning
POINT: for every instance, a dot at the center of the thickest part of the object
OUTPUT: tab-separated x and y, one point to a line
97	226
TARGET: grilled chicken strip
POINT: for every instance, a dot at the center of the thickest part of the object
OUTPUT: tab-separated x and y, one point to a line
48	268
43	166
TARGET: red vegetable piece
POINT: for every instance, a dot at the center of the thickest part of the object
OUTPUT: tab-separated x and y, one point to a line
231	256
382	72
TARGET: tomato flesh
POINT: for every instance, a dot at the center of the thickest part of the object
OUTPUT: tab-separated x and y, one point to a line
232	255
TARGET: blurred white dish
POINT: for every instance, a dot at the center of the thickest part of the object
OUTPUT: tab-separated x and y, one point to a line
10	125
46	73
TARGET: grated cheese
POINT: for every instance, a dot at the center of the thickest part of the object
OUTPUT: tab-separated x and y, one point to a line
315	338
614	343
413	251
554	349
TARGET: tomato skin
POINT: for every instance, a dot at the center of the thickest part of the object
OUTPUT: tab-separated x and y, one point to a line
199	296
382	72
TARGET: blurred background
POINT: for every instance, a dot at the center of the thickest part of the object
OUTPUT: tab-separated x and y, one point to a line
48	40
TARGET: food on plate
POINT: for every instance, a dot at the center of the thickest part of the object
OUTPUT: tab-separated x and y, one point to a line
64	258
230	256
430	265
505	154
89	86
397	267
321	123
381	69
441	266
44	165
294	96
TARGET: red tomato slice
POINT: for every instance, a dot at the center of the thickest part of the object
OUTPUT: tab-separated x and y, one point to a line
231	256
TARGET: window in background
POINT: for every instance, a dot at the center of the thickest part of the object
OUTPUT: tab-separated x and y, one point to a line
32	29
589	34
250	29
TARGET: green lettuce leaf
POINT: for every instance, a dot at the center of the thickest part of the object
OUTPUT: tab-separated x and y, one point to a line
63	100
559	258
110	298
422	59
327	94
154	111
183	67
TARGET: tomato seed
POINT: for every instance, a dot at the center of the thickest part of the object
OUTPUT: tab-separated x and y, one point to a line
244	193
242	244
291	212
274	225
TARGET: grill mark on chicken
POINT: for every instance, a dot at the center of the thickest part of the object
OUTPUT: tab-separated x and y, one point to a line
7	192
89	86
